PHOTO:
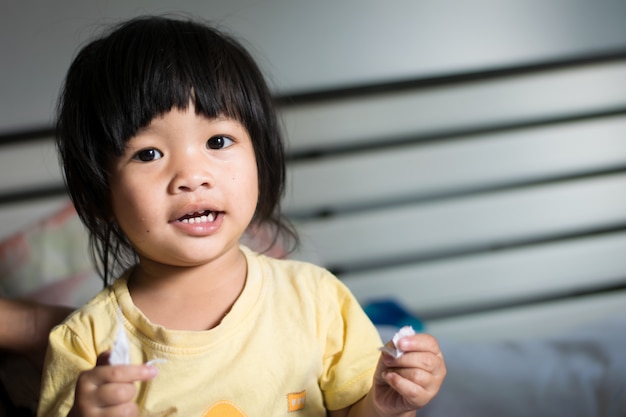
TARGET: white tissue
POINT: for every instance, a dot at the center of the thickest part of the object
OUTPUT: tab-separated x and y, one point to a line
120	354
394	351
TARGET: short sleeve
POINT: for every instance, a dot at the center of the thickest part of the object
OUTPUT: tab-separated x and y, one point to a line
351	349
66	357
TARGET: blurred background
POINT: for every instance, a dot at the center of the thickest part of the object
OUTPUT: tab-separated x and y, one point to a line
464	159
308	46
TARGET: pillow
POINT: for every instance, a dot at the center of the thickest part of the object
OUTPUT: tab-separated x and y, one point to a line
579	373
49	262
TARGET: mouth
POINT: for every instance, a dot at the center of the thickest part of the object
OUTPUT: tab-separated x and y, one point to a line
202	216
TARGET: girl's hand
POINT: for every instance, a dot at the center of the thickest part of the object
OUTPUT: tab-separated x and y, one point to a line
109	390
411	381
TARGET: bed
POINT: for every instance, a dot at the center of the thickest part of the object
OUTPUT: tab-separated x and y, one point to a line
490	208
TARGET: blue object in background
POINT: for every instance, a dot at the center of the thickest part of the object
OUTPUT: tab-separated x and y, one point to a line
389	313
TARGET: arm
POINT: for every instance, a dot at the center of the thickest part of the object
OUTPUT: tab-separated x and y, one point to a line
24	327
402	386
78	380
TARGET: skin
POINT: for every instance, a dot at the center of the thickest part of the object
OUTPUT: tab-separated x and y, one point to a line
185	163
186	175
402	386
36	320
180	163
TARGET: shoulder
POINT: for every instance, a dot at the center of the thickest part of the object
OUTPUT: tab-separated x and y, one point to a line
94	320
294	272
299	281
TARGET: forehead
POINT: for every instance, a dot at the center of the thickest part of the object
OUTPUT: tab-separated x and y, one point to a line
211	74
183	118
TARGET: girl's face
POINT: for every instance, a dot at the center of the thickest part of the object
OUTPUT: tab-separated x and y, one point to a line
186	188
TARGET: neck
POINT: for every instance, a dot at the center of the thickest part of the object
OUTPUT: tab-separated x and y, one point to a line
200	295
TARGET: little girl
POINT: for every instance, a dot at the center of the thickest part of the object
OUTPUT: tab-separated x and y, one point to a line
171	151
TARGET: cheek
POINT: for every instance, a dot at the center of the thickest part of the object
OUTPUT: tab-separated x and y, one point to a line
129	209
136	225
254	184
247	182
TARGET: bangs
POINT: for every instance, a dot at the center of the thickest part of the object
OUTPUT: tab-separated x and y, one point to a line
170	64
137	71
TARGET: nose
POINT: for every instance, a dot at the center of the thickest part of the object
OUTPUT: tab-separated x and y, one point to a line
190	172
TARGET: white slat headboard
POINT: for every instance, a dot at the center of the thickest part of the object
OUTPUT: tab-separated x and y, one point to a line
491	204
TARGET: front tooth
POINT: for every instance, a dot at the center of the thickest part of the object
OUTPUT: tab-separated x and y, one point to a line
203	219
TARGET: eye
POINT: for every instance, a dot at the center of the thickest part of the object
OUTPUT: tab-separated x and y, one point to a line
219	142
147	155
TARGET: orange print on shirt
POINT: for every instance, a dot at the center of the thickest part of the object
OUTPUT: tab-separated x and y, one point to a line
224	409
295	401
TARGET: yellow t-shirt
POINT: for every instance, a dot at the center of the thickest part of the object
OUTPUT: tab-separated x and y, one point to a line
295	342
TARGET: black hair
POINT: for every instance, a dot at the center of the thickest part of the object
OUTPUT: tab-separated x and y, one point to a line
141	69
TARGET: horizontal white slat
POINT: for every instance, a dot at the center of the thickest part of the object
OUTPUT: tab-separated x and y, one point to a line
16	216
449	108
472	222
446	167
27	165
541	320
497	278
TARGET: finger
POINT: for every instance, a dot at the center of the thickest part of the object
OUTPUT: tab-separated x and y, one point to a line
123	373
103	358
129	373
416	394
93	393
129	409
106	374
114	394
427	361
417	376
421	342
105	386
107	403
